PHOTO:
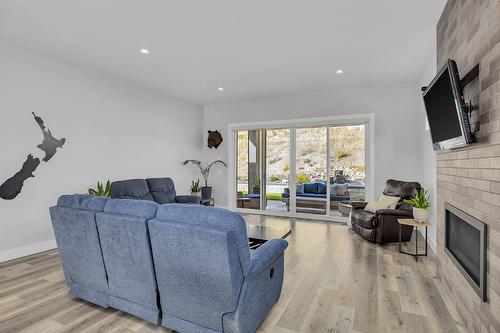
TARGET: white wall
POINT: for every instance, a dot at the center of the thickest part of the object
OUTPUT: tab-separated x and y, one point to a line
428	155
114	130
397	112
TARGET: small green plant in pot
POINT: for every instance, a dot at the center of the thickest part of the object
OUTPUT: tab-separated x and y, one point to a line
102	191
421	203
195	188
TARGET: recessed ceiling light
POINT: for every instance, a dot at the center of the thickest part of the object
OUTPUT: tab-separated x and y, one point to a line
220	89
339	71
145	52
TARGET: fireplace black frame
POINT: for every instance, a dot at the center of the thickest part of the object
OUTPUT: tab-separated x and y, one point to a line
481	288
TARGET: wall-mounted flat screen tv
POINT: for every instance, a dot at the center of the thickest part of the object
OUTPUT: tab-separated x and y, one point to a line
446	109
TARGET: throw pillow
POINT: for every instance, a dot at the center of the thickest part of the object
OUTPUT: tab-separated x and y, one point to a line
333	189
390	201
373	206
300	188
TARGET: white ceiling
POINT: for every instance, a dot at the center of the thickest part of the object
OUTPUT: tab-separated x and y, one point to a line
253	48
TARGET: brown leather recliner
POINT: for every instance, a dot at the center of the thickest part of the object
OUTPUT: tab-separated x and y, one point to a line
382	226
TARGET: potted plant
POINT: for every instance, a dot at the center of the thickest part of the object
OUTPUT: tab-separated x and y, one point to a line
421	203
195	188
103	191
206	191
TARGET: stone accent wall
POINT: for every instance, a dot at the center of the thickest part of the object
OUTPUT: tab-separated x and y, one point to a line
469	32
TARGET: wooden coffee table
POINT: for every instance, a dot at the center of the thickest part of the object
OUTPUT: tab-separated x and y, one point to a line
259	234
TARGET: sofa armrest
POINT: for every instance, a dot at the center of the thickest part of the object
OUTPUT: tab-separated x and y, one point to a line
394	212
358	205
192	199
266	254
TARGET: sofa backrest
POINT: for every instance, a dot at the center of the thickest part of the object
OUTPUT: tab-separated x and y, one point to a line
311	188
162	189
201	257
126	250
75	229
131	189
399	188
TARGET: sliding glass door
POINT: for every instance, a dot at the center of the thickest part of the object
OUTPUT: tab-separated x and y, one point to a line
277	169
346	167
310	164
248	169
301	170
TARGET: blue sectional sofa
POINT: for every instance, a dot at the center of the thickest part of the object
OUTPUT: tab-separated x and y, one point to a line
188	267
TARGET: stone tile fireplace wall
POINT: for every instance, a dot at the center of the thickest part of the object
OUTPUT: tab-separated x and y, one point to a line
469	179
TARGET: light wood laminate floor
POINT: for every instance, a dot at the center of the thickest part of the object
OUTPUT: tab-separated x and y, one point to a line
334	282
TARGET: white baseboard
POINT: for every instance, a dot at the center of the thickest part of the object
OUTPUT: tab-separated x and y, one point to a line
22	251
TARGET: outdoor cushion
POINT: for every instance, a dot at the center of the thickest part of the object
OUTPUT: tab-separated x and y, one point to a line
311	195
300	188
311	188
321	188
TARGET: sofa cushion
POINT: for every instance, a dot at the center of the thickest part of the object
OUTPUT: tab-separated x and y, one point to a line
139	208
216	218
82	201
364	219
311	188
162	189
75	230
127	255
300	188
321	188
131	189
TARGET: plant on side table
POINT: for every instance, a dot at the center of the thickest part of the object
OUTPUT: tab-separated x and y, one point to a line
421	203
102	191
206	191
195	188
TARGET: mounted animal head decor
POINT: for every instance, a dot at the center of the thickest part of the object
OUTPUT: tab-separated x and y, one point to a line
214	139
